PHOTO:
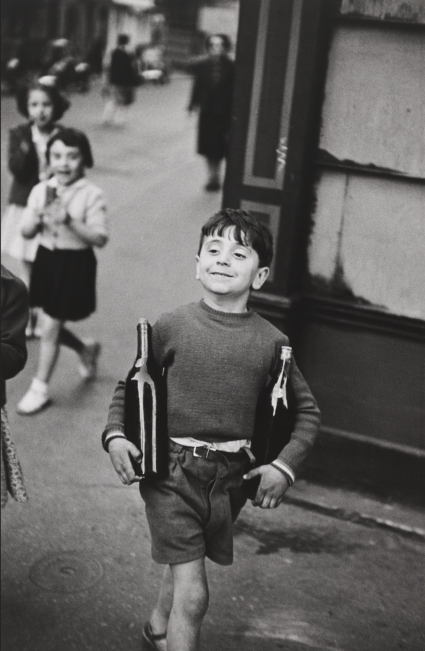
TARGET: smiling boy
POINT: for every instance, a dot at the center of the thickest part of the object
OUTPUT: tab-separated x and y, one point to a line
217	356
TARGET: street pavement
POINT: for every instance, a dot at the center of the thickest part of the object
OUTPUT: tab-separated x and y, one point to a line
76	568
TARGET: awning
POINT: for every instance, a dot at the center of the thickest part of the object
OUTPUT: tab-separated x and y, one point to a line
139	5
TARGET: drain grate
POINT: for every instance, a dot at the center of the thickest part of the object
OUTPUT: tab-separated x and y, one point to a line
66	572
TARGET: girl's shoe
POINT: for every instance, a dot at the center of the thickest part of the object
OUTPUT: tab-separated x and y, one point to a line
36	399
88	360
149	639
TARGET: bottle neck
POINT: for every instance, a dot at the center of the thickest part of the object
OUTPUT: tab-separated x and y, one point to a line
142	343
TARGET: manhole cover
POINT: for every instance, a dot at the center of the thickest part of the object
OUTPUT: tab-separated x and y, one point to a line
66	572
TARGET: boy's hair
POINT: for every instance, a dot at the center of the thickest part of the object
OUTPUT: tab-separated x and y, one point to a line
248	231
59	101
73	138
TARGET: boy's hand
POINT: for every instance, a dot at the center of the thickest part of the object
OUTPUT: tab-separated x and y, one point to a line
272	488
120	450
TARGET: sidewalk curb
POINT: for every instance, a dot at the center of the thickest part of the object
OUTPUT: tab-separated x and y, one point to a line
339	513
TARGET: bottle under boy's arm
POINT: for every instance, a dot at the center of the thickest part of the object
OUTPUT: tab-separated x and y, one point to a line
140	421
138	408
304	422
287	422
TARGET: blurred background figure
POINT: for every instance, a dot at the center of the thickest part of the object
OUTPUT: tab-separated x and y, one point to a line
14	317
212	94
152	65
122	78
60	63
43	105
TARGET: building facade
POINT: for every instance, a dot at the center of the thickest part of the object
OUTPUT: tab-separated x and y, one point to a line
342	82
30	21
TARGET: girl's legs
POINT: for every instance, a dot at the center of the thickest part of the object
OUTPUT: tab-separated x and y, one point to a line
53	334
109	110
49	348
87	351
68	339
33	327
190	604
37	396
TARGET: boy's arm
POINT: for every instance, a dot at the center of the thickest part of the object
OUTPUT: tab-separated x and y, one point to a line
279	475
306	427
115	423
115	442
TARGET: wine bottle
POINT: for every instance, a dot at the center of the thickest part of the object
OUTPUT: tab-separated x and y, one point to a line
273	420
144	406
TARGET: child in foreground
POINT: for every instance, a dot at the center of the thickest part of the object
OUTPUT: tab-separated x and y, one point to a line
69	212
217	356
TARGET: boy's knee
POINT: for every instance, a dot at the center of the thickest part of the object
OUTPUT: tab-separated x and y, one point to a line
193	603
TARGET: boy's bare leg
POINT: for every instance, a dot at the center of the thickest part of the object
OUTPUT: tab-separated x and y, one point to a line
190	605
161	612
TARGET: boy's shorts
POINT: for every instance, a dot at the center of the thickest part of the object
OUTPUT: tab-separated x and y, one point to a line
191	512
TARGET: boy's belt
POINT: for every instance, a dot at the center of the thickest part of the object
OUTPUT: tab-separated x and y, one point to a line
204	452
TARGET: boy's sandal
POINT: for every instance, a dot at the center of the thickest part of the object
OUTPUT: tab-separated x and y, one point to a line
149	637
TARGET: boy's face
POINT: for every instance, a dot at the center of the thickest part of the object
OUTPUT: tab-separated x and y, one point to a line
66	163
227	268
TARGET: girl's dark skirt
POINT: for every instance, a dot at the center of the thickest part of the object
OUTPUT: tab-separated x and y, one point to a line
63	283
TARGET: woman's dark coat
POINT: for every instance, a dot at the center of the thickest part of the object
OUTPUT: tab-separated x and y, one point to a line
14	319
212	93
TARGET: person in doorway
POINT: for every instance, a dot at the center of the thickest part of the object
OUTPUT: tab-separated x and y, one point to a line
14	318
216	356
122	79
70	213
43	105
212	93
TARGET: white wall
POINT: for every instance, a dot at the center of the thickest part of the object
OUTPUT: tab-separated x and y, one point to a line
373	228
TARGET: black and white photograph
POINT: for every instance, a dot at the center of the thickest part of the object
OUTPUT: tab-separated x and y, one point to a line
212	325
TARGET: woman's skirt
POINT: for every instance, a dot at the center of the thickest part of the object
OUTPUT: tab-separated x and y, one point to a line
213	135
12	481
12	242
63	283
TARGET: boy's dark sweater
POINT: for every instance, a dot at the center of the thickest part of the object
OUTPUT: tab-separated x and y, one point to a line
216	365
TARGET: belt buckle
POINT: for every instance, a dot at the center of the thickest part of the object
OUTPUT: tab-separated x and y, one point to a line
199	456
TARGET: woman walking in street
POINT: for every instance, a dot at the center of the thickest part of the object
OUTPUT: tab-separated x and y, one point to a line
212	94
70	213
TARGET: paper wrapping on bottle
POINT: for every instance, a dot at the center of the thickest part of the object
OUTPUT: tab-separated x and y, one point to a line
279	389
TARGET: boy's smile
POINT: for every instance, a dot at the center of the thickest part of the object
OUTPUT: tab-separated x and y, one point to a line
228	269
